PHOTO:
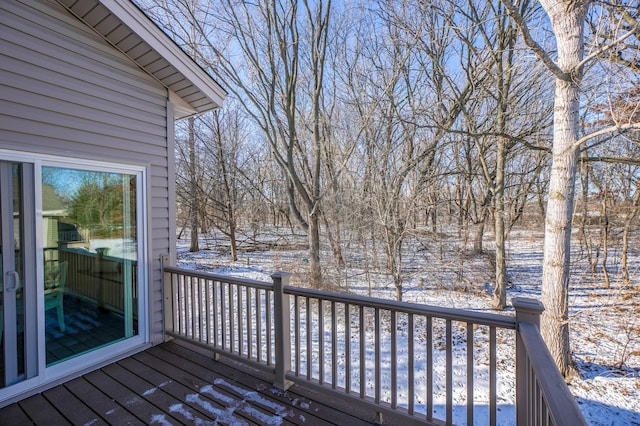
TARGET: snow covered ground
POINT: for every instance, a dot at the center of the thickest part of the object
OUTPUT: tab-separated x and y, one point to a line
605	323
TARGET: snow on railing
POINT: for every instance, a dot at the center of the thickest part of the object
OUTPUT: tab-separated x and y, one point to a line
429	364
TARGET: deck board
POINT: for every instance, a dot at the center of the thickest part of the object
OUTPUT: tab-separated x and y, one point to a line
150	368
158	389
131	401
71	407
316	412
42	412
150	393
104	406
175	383
14	415
201	382
191	385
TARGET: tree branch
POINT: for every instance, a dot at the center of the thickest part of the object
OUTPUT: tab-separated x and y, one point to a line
603	49
611	129
533	45
612	160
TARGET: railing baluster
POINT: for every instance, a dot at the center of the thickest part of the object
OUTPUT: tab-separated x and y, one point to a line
216	312
411	366
192	308
347	348
376	355
177	322
361	341
296	343
170	323
469	373
538	410
320	342
240	327
544	416
492	377
210	328
247	292
259	324
334	346
223	316
309	338
449	372
529	389
184	301
394	360
429	368
232	318
269	309
201	313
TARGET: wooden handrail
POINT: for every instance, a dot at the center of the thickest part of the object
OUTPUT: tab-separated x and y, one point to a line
480	318
562	408
246	282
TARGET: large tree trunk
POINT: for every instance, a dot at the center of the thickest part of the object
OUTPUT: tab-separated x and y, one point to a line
314	250
625	237
567	19
194	211
500	292
605	236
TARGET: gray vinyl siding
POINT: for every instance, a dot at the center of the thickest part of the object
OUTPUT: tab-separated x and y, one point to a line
66	92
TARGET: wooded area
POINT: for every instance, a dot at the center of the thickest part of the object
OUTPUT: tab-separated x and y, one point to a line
372	124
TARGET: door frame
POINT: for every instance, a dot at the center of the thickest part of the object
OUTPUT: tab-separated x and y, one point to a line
28	276
37	373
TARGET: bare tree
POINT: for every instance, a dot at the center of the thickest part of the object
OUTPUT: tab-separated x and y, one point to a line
567	18
264	51
507	111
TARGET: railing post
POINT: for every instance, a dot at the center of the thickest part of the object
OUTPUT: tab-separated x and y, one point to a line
282	324
527	310
167	297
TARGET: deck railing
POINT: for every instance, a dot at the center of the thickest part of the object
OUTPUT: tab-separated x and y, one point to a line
432	365
100	278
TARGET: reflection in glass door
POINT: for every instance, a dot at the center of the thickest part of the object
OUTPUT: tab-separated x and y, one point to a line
90	252
15	221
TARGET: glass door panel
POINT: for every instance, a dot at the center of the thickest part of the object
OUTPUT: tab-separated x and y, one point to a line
12	296
90	252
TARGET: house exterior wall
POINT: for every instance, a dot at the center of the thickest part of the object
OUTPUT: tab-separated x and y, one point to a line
64	91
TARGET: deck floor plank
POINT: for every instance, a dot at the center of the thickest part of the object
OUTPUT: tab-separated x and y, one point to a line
71	407
155	395
149	369
254	392
203	392
178	383
315	412
331	408
42	412
130	400
14	415
108	409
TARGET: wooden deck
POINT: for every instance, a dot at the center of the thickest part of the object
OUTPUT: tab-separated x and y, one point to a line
176	383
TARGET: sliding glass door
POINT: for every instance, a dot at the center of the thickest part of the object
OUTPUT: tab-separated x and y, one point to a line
71	243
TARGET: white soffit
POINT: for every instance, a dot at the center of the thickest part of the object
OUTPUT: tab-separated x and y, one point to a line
128	29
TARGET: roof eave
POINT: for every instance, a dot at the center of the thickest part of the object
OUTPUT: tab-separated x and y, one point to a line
206	93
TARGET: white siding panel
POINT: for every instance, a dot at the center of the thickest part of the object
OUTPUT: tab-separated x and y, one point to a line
66	92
